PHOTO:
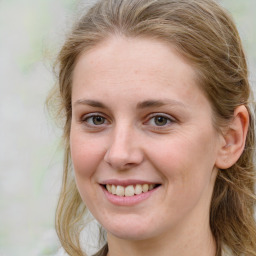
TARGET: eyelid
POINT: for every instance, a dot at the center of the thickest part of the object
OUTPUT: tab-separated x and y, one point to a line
171	118
167	116
85	117
148	118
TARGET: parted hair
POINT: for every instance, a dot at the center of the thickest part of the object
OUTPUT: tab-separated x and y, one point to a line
205	34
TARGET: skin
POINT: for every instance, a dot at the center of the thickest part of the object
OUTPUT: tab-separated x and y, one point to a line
181	155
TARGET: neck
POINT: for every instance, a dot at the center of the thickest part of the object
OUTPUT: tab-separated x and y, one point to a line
183	242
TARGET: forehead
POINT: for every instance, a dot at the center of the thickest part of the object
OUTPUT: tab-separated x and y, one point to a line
137	66
125	50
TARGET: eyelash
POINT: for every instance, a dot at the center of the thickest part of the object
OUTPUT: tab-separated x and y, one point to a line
85	119
89	120
169	120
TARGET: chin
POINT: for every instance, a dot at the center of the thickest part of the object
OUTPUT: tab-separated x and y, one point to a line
131	230
132	236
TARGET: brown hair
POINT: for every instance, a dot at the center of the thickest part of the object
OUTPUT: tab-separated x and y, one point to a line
205	34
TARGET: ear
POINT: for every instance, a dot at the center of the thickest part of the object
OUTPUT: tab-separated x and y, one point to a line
234	137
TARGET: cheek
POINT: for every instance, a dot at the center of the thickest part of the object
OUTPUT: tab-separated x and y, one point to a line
186	159
187	167
86	154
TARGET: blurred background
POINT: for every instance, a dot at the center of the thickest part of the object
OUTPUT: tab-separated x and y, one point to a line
31	33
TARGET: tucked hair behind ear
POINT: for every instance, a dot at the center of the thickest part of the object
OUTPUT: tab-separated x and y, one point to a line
206	36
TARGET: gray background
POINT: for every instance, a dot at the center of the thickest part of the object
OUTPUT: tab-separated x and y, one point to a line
31	33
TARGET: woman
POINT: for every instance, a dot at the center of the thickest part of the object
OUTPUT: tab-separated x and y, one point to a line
159	133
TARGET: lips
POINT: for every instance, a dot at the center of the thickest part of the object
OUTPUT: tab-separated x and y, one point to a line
128	192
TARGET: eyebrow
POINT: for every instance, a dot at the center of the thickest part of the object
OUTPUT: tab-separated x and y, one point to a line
140	105
92	103
158	103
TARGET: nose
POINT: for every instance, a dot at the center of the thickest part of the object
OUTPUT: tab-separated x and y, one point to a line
124	150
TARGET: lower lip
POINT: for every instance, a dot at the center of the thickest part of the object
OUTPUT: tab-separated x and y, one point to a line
128	200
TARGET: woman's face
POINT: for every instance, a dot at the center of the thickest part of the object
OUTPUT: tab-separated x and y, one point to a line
141	123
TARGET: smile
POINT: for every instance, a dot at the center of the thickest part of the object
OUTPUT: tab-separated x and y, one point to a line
130	190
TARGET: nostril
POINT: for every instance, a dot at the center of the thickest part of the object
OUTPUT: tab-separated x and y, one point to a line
123	153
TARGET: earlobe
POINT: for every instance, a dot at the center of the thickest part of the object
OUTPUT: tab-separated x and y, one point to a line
233	139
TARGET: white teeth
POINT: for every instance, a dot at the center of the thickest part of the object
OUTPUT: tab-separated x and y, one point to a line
119	190
130	190
138	189
145	188
109	188
113	189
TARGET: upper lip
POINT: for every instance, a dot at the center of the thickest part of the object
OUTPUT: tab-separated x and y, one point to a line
126	182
